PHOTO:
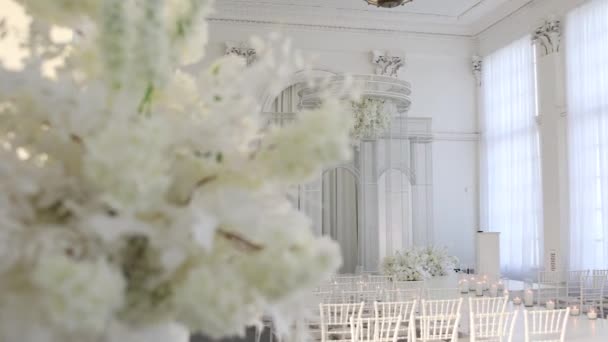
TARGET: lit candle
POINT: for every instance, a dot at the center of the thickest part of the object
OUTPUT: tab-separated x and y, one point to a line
501	286
516	300
464	286
505	293
592	314
528	298
486	283
479	289
575	311
550	305
494	290
472	283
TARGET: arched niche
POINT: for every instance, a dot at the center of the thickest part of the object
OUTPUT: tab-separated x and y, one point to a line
365	179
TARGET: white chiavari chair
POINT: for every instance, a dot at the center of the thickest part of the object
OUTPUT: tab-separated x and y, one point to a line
335	320
440	319
544	324
375	329
487	305
496	327
439	328
405	310
591	294
574	280
603	273
442	293
400	295
549	284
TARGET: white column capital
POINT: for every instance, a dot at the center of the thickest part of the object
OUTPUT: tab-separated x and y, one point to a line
387	64
242	50
548	36
476	65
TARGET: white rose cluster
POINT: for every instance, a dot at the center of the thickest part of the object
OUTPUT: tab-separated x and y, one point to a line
136	190
419	264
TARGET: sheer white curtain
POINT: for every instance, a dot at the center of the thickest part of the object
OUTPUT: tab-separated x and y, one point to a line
510	167
587	73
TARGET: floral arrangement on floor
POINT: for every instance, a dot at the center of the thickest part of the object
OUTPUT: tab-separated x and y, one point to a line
419	264
371	118
135	193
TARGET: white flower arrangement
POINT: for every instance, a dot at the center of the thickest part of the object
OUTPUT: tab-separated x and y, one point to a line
371	118
419	264
133	192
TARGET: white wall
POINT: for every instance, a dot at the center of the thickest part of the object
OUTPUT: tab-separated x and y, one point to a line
439	69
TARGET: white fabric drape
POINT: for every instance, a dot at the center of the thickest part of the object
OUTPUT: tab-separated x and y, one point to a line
587	74
510	168
341	214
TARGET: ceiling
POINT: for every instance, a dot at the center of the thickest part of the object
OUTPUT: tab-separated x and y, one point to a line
454	17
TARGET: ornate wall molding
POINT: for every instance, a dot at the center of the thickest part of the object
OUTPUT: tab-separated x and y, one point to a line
242	50
387	64
476	65
548	37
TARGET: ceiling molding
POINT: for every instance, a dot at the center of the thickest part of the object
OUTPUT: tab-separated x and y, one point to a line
468	22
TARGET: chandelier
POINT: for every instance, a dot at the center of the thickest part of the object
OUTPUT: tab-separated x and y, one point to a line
387	3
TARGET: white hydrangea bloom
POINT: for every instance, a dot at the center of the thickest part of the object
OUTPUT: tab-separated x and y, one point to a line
128	162
79	296
134	192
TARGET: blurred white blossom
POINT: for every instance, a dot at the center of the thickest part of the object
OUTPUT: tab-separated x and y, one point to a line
136	192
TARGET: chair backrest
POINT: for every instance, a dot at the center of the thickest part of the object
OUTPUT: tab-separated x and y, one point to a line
550	284
378	279
551	277
574	280
335	318
418	284
487	305
448	307
493	326
592	288
374	329
393	309
600	272
346	279
405	310
543	323
323	296
442	293
360	296
400	295
439	327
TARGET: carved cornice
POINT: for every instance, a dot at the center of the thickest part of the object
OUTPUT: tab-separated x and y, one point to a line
476	65
241	50
548	37
387	64
474	17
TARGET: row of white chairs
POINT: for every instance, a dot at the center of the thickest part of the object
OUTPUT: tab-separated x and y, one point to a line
438	320
369	285
387	295
586	289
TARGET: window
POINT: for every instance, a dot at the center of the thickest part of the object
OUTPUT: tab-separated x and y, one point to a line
510	168
587	76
